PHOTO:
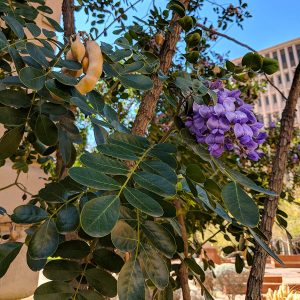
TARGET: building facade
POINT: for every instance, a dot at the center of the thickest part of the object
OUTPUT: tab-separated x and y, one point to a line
270	104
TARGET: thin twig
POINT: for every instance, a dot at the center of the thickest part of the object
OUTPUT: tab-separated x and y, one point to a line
212	31
118	18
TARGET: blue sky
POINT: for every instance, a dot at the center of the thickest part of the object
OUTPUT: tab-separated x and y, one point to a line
273	22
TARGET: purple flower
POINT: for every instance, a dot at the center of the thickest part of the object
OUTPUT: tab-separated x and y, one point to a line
229	125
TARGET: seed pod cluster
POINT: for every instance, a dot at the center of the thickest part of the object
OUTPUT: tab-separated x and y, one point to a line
90	56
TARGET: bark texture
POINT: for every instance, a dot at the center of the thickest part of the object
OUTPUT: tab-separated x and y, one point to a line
68	17
183	270
149	101
276	182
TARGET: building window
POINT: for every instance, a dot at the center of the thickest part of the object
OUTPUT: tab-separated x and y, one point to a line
269	119
298	50
275	55
267	101
283	58
279	79
291	55
267	55
287	77
274	99
259	102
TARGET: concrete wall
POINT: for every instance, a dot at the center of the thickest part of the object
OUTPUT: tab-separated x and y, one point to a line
34	179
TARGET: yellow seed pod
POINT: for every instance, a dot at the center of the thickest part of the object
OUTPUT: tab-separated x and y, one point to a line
85	64
159	39
94	70
77	48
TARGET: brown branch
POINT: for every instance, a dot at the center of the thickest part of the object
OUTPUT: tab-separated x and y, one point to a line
212	31
68	17
276	183
149	101
118	18
183	271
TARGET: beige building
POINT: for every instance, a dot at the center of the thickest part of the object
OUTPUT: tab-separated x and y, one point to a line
270	103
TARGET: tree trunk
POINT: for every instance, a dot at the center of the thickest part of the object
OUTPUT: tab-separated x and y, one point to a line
276	182
68	17
148	104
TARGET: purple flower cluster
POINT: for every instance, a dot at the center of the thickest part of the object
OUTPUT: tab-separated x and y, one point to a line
230	125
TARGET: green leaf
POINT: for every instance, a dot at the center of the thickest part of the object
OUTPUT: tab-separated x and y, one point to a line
102	281
34	29
160	237
154	183
53	290
124	237
99	215
57	89
37	54
74	249
108	260
94	179
239	264
136	81
270	65
46	131
70	64
266	247
28	214
44	242
230	66
240	205
67	219
15	26
104	164
53	109
12	117
17	59
194	172
64	79
14	98
117	152
33	78
131	281
62	270
8	252
89	295
35	264
242	179
143	202
252	60
156	267
53	192
10	141
194	267
54	24
160	168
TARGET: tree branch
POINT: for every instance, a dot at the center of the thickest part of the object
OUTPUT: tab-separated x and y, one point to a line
149	101
212	31
68	17
118	18
276	182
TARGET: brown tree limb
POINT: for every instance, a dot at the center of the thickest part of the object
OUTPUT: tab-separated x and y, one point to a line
149	101
68	17
214	32
276	182
183	270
